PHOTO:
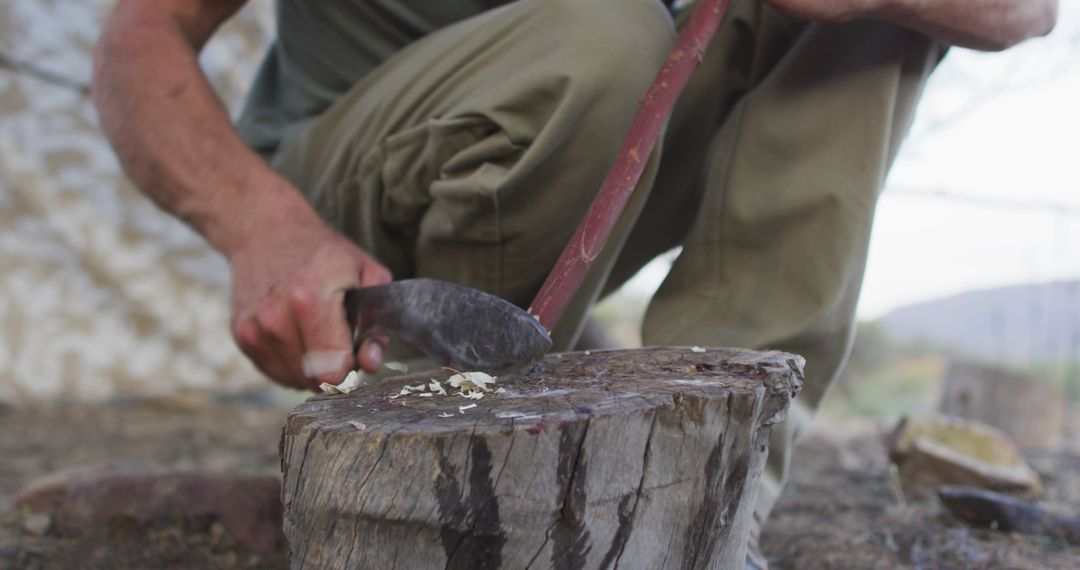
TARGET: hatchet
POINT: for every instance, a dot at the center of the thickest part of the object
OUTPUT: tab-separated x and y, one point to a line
471	330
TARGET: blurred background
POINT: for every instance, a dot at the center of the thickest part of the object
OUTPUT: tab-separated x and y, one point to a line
114	341
102	294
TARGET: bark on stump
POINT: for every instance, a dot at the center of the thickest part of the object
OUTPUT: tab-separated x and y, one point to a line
636	458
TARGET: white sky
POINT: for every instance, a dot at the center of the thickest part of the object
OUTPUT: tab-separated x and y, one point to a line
1000	134
1008	139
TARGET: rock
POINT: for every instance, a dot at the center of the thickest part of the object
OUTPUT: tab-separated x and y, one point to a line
83	500
931	451
988	509
46	493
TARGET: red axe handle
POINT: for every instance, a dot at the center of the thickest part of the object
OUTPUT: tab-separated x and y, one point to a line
596	226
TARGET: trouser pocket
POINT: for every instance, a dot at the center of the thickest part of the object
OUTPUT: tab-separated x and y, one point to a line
435	190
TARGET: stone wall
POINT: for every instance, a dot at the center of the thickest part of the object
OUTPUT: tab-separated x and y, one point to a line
101	294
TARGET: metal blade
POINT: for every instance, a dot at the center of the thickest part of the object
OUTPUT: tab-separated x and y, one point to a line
456	326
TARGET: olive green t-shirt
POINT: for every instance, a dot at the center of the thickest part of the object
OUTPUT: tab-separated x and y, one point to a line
324	47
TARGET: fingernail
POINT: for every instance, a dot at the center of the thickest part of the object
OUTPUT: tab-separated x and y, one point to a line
319	362
374	352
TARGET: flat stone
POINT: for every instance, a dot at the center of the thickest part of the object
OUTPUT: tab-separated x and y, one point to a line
82	500
46	493
934	450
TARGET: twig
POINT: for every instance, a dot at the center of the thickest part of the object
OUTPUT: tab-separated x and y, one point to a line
47	75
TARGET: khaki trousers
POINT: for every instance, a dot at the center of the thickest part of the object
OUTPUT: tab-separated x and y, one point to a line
472	150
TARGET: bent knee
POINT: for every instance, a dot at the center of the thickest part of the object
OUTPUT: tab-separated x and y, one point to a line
620	41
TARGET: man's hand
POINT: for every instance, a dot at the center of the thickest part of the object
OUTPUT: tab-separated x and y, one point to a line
823	10
989	25
288	292
175	140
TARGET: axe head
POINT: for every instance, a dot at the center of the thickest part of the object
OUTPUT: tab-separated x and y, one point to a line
457	326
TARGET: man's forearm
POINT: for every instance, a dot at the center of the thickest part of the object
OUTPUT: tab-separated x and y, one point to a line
978	24
174	137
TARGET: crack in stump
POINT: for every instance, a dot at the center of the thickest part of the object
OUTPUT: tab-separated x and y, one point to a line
626	520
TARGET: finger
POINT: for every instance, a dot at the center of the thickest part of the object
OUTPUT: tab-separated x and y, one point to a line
370	355
324	331
322	362
279	370
283	338
257	346
317	302
374	273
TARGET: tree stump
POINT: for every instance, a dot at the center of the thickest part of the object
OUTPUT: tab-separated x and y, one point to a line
635	458
1031	412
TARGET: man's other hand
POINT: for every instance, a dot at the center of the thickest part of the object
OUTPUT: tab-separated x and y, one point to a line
989	25
288	292
823	10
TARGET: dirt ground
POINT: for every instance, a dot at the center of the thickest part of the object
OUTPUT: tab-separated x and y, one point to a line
841	511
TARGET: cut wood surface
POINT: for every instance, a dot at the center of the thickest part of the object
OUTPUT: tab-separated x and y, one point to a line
636	459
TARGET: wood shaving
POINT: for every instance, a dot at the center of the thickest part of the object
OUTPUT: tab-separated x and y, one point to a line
461	409
696	349
446	415
396	366
357	425
471	385
350	383
471	381
404	392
